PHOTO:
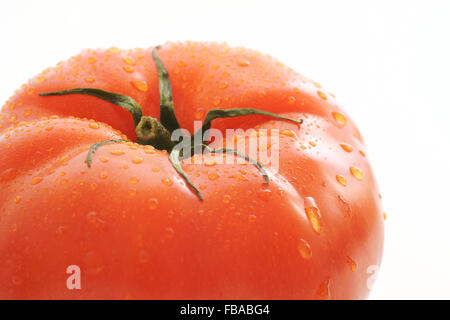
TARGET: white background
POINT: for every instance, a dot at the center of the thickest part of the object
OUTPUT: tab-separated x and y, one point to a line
387	62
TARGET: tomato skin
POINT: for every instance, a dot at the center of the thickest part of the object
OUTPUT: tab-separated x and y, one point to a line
131	223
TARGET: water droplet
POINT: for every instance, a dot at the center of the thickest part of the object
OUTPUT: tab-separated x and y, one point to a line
129	61
313	214
304	249
323	292
128	69
153	203
341	180
209	162
352	264
288	133
94	220
348	207
356	172
264	195
322	94
347	147
340	118
117	152
239	177
243	63
36	180
60	230
138	160
169	233
134	180
167	181
140	85
213	176
291	100
226	199
114	50
89	79
223	85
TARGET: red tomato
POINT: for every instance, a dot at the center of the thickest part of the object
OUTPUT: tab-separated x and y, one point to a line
135	228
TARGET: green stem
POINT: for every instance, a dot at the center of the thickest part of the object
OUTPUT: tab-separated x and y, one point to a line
150	131
241	155
174	158
97	145
167	112
120	100
233	113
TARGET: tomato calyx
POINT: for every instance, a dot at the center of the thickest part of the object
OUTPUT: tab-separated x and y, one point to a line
159	134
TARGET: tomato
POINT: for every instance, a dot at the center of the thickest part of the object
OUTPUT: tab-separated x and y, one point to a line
131	222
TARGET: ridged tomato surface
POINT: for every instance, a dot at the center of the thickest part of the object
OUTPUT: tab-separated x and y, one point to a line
131	223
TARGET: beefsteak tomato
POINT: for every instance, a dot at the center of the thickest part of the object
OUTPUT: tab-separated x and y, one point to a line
131	222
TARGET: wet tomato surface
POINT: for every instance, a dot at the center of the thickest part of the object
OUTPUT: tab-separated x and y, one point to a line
131	222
